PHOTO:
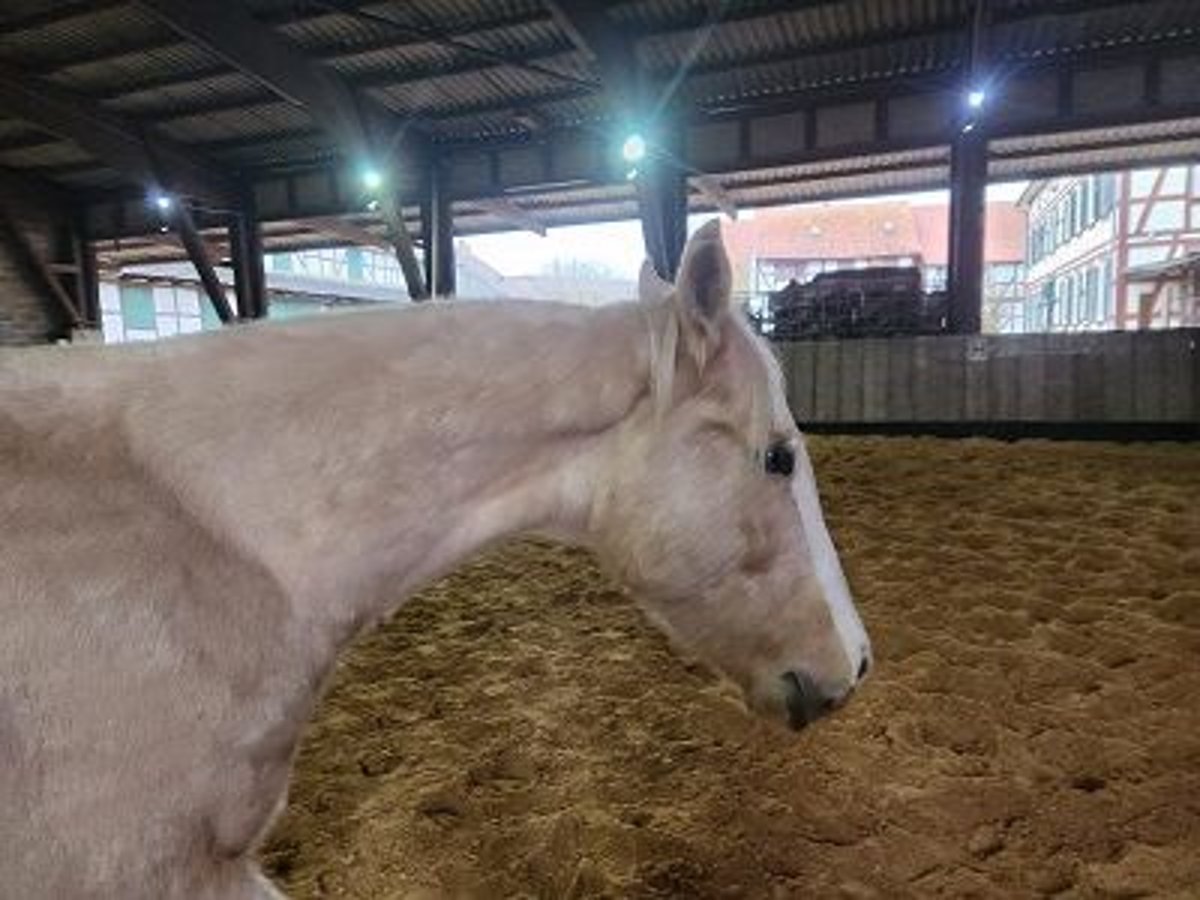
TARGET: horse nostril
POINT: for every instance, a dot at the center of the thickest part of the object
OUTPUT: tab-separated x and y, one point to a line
863	668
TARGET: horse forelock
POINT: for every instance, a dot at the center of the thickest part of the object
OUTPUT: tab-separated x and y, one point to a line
755	379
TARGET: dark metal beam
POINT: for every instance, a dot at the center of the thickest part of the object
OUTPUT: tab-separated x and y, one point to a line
367	131
663	205
246	257
437	222
228	30
587	24
968	188
326	52
88	278
193	243
120	144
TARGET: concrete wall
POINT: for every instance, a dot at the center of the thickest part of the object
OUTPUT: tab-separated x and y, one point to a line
24	317
1111	378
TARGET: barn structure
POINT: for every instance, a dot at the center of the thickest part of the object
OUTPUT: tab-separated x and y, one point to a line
146	130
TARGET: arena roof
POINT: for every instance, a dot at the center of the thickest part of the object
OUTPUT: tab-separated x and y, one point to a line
767	101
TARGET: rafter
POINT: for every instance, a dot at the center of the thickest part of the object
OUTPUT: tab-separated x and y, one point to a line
588	26
63	312
512	213
198	251
348	231
363	127
711	189
119	143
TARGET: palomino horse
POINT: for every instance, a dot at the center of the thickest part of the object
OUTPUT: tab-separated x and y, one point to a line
193	530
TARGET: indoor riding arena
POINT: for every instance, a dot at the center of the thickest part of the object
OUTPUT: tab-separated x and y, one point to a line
967	230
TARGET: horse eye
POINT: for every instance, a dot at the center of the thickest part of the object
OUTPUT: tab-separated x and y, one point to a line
780	460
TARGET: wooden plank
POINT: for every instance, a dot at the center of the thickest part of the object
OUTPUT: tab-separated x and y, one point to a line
1117	354
1031	377
875	381
900	380
1058	382
1089	378
1149	377
938	378
978	351
1178	348
1195	351
1004	382
826	380
799	360
950	358
850	382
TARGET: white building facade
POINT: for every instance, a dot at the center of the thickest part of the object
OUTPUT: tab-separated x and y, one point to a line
1112	251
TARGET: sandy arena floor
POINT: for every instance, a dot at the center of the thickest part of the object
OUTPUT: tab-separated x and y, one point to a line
1032	727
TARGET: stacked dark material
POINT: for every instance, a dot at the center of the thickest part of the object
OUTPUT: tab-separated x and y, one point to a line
874	302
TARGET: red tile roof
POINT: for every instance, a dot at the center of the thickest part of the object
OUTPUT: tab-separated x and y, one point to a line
887	228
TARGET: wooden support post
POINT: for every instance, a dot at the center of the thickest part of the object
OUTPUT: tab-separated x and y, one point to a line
88	277
194	246
61	311
246	254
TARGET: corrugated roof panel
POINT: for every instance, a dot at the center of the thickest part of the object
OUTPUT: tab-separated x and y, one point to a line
1048	34
57	153
128	72
524	43
16	128
800	34
91	179
260	120
304	147
81	37
222	90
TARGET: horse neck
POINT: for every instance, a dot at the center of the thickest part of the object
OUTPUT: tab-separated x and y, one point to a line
357	458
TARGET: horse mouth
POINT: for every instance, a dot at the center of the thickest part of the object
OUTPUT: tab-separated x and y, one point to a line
804	700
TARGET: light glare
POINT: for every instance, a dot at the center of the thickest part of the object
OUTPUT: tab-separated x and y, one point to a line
372	179
634	148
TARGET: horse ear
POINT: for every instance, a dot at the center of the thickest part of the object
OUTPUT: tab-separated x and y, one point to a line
703	290
650	286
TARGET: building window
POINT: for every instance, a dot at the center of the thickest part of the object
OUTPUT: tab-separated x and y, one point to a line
354	264
1108	292
1141	182
1166	215
1092	295
1106	193
137	309
1175	181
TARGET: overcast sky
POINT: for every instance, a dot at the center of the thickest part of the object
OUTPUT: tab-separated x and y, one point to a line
618	245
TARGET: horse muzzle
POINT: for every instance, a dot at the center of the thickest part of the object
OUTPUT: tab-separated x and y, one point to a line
806	701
